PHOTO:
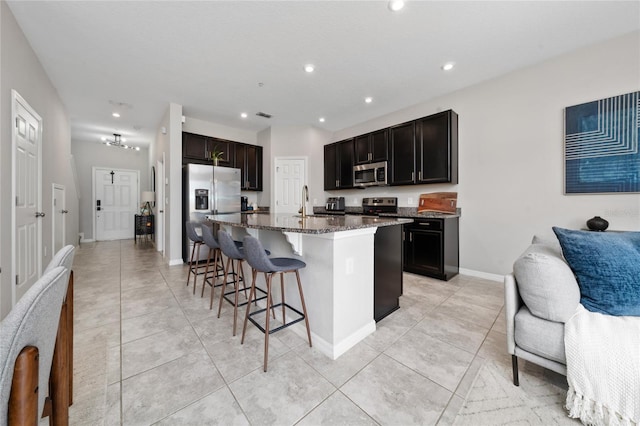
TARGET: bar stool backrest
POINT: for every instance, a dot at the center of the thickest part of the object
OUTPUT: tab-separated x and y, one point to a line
192	234
256	255
33	321
228	246
208	238
64	257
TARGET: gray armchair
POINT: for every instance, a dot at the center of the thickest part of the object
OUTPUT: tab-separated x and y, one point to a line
540	295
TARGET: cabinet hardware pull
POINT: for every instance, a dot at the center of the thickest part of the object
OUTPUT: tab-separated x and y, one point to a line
420	175
412	175
424	224
410	237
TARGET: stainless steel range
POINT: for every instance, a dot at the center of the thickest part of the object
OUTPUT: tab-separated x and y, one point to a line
379	205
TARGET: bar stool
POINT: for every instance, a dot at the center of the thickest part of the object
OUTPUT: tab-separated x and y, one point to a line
218	264
235	256
259	261
197	240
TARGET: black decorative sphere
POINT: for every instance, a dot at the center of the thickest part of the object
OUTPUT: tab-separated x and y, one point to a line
597	223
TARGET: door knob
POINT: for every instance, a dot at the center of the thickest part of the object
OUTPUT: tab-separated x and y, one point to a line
65	211
160	211
39	214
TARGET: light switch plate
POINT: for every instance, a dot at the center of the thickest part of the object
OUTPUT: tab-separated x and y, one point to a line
410	201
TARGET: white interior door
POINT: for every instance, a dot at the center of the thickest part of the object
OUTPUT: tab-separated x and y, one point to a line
159	189
290	176
115	202
58	208
26	188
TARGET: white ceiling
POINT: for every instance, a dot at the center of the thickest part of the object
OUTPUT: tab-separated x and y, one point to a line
210	56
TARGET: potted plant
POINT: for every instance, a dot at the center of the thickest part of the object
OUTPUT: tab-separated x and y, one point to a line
216	156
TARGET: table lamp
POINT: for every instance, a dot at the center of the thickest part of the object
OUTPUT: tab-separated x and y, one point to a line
148	197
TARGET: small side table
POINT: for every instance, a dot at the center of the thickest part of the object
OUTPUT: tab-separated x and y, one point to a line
143	226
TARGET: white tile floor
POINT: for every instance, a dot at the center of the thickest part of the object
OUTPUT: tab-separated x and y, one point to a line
148	351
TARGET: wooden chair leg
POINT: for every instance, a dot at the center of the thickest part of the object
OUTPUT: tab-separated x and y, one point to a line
59	379
23	400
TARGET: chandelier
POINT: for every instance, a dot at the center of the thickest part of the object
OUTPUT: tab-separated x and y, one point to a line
117	141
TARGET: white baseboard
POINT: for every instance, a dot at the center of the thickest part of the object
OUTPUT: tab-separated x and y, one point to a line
480	274
174	262
89	240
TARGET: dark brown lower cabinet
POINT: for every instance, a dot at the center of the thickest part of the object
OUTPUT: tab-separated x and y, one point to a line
431	247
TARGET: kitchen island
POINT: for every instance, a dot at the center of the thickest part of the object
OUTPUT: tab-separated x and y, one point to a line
338	281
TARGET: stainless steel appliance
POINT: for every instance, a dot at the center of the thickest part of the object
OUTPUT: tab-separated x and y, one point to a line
380	205
208	190
374	174
335	204
244	204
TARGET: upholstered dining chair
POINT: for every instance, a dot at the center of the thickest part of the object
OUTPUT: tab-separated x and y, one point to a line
27	342
64	257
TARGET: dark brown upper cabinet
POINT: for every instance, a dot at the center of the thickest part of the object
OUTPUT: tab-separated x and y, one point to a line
437	148
338	165
402	154
248	158
371	148
198	149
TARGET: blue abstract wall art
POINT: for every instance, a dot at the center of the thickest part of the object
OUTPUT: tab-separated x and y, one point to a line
601	146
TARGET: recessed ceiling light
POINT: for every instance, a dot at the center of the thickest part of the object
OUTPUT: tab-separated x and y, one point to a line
368	99
396	5
448	66
103	139
243	115
309	68
116	115
321	119
137	148
123	139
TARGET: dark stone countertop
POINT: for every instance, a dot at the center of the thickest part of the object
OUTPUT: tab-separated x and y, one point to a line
408	212
313	224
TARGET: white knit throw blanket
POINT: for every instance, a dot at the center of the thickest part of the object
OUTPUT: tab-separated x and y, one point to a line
603	368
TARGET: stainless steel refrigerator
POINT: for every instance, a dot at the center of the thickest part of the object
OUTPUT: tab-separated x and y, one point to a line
208	190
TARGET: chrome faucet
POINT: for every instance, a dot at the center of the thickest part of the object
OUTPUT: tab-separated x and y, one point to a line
305	198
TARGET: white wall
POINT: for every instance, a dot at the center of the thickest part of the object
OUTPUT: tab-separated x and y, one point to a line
21	70
511	152
301	141
94	154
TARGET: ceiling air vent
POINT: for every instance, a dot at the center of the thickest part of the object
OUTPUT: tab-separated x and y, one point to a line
263	114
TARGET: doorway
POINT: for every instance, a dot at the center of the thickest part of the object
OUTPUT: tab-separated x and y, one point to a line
115	201
58	207
290	177
159	190
26	189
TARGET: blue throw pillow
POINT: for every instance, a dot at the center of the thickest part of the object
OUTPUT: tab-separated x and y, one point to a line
607	267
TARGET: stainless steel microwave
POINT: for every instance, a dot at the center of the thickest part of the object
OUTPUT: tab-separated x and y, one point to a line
374	174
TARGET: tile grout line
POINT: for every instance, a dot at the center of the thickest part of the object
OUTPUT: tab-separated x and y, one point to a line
224	380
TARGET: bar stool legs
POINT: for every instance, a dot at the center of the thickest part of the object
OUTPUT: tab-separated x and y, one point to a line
193	269
217	268
270	307
237	277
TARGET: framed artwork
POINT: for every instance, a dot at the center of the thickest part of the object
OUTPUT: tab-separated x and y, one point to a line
601	146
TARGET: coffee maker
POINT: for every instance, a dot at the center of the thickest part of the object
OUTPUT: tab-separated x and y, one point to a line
244	204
